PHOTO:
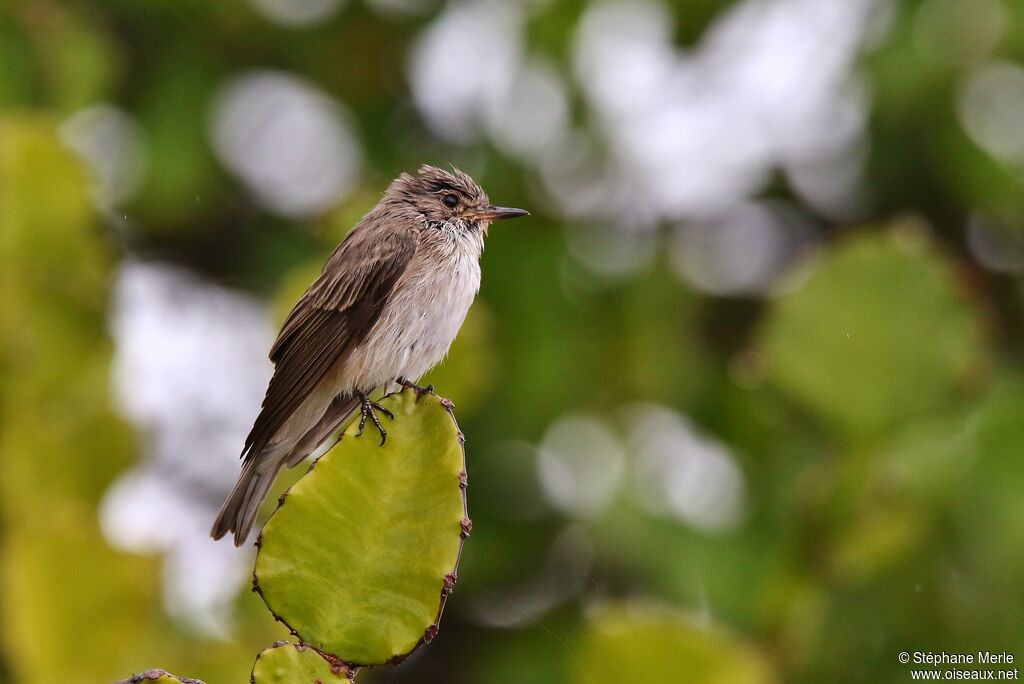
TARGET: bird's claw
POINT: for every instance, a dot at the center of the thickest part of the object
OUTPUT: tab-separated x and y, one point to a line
368	409
418	389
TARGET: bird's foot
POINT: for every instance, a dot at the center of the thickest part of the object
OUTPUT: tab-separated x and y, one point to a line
419	390
368	409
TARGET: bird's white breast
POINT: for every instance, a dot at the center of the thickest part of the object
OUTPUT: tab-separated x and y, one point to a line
422	316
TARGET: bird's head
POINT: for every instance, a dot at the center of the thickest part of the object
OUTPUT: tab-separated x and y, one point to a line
449	198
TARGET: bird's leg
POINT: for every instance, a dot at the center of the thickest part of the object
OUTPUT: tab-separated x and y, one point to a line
367	409
420	391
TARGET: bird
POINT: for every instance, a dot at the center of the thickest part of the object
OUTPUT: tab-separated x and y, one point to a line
383	311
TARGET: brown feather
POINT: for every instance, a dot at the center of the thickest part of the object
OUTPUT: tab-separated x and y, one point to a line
331	318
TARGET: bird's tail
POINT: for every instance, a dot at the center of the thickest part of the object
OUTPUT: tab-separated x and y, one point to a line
238	514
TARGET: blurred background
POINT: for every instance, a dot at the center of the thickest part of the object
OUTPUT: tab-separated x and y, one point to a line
744	398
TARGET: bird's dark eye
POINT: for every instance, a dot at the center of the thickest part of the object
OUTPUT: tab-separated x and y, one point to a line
450	201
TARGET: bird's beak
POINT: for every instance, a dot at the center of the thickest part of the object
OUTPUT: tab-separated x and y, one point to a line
493	213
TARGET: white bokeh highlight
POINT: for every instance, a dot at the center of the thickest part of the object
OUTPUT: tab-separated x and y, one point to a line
684	135
995	246
743	251
189	371
673	469
402	7
561	577
609	251
463	63
111	142
682	473
580	464
991	109
291	144
297	13
693	132
531	113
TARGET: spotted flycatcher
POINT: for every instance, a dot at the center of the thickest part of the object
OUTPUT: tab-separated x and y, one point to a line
384	310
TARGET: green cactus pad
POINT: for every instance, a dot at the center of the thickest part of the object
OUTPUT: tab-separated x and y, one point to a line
359	556
287	663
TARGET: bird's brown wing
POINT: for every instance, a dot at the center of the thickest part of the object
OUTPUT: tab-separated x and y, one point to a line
334	315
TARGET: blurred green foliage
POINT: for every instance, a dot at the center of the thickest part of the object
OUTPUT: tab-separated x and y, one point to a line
848	346
653	646
67	445
65	591
874	404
